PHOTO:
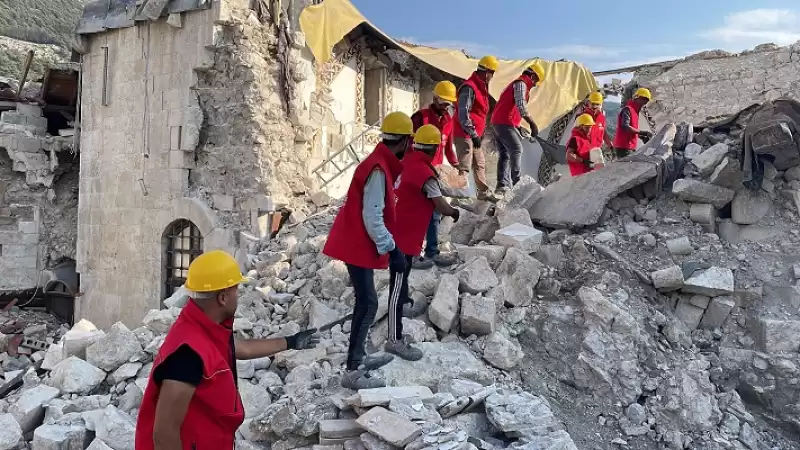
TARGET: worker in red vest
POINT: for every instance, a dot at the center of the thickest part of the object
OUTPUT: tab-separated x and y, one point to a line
598	135
191	400
362	237
418	196
510	110
579	146
628	132
472	108
437	114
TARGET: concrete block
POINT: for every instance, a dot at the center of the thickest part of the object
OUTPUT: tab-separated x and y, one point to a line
55	437
689	314
13	118
703	213
28	409
477	315
680	246
712	282
392	428
519	236
383	396
477	277
749	207
443	309
669	279
701	301
717	311
707	161
222	202
27	227
339	429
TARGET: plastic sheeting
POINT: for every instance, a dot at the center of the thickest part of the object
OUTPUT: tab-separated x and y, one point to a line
566	83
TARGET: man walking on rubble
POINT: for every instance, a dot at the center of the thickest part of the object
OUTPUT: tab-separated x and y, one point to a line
509	112
628	132
418	196
362	237
438	115
191	399
472	108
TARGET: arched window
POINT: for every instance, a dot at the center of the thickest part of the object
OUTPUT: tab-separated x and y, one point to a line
182	243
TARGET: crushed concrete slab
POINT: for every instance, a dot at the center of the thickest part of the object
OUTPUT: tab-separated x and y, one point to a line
528	418
443	310
700	192
441	360
392	428
523	237
711	282
383	396
577	202
477	276
718	310
477	315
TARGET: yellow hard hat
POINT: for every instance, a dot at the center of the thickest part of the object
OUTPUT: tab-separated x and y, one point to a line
584	120
643	92
445	90
538	70
397	123
489	62
596	98
213	271
428	135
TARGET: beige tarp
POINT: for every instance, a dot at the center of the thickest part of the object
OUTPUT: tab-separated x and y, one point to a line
567	83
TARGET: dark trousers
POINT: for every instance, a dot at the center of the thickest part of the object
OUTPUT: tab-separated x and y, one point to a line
622	152
398	296
363	314
432	236
509	147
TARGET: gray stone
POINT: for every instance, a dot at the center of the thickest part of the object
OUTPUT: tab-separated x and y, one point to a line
114	349
320	314
701	301
605	237
635	229
700	192
792	174
728	175
383	396
502	352
707	161
523	195
28	409
477	276
254	398
692	151
711	282
339	429
777	336
636	413
668	279
680	246
550	255
518	274
124	372
462	231
485	229
392	428
477	315
529	418
509	217
689	314
443	310
576	202
703	213
10	432
291	359
717	311
458	387
729	232
493	253
749	207
523	237
688	399
158	321
116	429
57	437
76	376
415	409
441	360
423	281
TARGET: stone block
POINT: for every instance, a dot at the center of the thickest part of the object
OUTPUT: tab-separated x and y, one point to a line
700	192
10	432
339	429
13	118
76	376
717	311
692	151
689	314
727	174
701	301
175	134
778	336
477	276
749	207
392	428
383	396
703	213
712	282
116	428
443	309
680	246
222	202
519	236
56	437
669	279
181	160
518	274
501	352
477	315
114	349
493	253
510	217
28	409
707	161
523	195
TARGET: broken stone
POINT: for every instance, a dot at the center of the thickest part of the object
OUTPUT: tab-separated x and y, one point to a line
10	432
692	151
528	418
727	174
116	429
502	352
290	359
518	274
114	349
493	253
703	213
717	311
477	276
777	336
459	387
606	237
54	437
669	279
28	409
477	315
382	396
423	281
689	314
509	217
523	195
680	246
415	410
392	428
749	207
125	372
635	229
76	376
519	236
443	310
707	161
441	360
700	192
339	429
254	398
712	282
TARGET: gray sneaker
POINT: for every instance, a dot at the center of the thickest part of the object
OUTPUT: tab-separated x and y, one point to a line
376	361
445	259
360	379
404	350
422	263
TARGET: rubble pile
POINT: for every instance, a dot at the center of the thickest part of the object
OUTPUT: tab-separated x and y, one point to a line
649	331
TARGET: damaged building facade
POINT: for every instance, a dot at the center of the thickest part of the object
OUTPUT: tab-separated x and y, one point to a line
200	123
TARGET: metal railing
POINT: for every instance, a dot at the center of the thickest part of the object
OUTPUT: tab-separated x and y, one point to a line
345	158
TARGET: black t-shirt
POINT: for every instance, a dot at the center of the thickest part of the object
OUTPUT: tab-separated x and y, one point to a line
183	365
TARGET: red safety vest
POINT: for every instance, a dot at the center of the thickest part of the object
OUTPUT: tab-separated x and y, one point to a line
624	138
215	411
480	107
414	208
597	135
583	147
444	123
505	111
348	240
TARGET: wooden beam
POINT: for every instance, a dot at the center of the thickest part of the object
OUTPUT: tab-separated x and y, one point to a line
25	69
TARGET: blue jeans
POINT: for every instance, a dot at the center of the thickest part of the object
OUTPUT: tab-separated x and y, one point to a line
432	236
509	147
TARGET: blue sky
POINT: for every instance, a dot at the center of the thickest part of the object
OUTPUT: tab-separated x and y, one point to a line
601	35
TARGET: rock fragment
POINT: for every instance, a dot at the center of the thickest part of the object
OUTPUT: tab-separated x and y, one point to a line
749	207
477	276
10	432
518	274
383	396
711	282
502	352
669	279
54	437
114	349
392	428
700	192
717	311
28	409
707	161
477	315
443	310
680	246
76	376
519	236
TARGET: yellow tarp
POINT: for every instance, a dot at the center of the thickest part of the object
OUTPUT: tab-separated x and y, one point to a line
567	83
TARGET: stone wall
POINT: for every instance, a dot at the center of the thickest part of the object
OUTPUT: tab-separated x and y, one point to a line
712	86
